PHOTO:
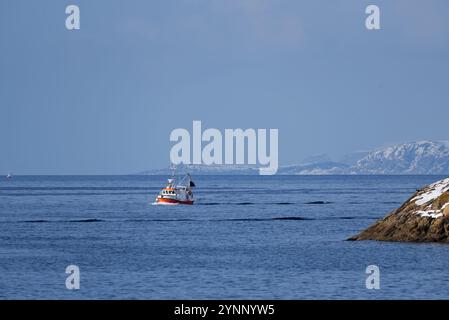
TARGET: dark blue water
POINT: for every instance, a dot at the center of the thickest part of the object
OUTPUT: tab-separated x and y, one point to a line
252	237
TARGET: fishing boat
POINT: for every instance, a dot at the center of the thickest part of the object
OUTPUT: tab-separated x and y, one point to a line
8	176
175	193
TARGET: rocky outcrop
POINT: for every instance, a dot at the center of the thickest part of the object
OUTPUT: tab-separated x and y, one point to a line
423	218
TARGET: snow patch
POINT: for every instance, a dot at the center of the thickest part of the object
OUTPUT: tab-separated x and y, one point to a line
435	191
432	213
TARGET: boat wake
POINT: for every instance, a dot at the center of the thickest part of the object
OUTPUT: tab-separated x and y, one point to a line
164	204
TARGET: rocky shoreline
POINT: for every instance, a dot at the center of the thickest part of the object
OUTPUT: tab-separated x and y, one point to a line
423	218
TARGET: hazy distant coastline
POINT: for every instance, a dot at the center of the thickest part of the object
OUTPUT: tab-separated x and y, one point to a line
414	158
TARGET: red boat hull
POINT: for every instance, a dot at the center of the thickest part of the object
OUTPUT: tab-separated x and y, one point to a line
173	201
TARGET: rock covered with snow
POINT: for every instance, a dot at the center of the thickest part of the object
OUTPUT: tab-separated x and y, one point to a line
423	218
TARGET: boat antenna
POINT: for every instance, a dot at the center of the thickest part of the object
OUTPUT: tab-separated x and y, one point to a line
173	168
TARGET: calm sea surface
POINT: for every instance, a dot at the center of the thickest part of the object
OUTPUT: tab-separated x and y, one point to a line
251	237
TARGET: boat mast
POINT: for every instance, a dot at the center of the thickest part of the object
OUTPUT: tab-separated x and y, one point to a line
173	168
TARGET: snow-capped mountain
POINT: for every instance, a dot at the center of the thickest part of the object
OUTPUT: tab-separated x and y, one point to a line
424	157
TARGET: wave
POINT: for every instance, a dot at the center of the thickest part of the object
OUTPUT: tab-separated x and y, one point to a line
162	220
295	218
61	221
292	218
76	188
285	218
243	203
88	220
261	203
318	202
69	194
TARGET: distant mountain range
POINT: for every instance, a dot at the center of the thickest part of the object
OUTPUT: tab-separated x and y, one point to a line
422	157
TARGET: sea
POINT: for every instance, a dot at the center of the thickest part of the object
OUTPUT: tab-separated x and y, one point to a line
246	237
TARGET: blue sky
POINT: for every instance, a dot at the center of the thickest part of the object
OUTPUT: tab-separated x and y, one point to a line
104	99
